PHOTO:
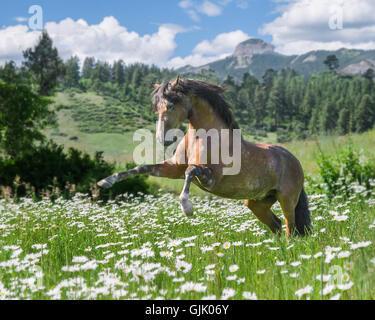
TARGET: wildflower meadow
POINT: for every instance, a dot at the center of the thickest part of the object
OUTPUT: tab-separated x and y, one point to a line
142	247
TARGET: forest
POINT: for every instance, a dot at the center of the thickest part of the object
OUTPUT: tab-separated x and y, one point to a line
292	105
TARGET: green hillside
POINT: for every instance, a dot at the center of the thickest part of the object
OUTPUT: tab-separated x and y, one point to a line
92	122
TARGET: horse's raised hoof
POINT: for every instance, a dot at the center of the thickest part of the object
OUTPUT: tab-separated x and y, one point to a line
107	183
187	208
104	184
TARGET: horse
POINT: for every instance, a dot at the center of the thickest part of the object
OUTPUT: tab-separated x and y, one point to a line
268	173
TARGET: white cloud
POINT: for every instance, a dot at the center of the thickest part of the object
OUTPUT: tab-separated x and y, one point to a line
210	9
193	8
223	43
185	4
107	41
14	40
208	51
20	19
195	60
193	15
242	4
304	25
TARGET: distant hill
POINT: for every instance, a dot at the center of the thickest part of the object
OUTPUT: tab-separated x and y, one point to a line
256	56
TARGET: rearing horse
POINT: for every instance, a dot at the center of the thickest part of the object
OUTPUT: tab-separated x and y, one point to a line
268	173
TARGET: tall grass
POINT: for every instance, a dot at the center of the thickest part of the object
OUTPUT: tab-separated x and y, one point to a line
136	249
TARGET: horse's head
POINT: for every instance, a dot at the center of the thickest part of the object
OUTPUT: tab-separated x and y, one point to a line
171	106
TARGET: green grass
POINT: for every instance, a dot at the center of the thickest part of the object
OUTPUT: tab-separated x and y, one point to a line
132	250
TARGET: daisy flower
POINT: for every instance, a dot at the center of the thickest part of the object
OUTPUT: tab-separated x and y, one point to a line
233	268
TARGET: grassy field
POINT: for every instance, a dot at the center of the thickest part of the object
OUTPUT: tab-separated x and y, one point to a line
146	249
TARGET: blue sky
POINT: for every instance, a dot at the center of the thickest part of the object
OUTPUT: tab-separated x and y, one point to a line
173	33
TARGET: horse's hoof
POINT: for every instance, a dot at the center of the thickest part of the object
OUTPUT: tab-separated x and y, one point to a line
105	184
187	208
108	182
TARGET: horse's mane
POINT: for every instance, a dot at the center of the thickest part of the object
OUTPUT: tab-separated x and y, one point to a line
209	92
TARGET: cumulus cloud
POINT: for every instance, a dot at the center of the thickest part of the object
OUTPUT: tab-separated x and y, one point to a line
222	44
193	8
210	9
107	40
15	39
208	51
305	25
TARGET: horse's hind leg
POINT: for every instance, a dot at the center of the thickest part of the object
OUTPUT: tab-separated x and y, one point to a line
262	210
288	204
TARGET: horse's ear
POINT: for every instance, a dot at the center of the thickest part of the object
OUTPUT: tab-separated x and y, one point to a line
156	86
176	82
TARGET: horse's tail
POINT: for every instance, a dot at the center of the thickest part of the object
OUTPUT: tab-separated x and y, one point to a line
302	214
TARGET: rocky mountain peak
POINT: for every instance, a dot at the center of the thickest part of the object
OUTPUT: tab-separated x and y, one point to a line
253	46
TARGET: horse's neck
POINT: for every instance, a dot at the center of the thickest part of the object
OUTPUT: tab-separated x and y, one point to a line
204	117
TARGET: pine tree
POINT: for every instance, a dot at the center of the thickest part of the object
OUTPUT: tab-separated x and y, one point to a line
72	76
259	107
44	64
328	118
332	62
364	114
344	119
118	73
88	67
276	102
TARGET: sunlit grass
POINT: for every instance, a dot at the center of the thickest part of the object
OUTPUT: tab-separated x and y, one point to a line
145	249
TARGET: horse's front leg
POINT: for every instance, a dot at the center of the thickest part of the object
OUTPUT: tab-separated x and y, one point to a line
204	175
166	169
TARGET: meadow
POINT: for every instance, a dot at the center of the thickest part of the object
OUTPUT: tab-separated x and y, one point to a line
142	247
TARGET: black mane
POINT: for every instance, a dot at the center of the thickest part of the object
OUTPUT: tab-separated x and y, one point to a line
209	92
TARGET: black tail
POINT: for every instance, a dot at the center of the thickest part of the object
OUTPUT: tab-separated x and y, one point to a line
303	222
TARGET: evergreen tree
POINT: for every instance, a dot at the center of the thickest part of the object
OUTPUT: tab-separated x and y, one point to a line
343	123
88	67
276	102
259	108
369	74
364	114
268	78
118	73
72	76
332	62
44	64
328	118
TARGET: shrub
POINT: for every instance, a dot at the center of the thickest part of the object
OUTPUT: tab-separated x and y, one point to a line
283	136
344	172
49	168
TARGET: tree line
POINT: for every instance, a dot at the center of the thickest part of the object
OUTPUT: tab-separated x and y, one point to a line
292	105
298	107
